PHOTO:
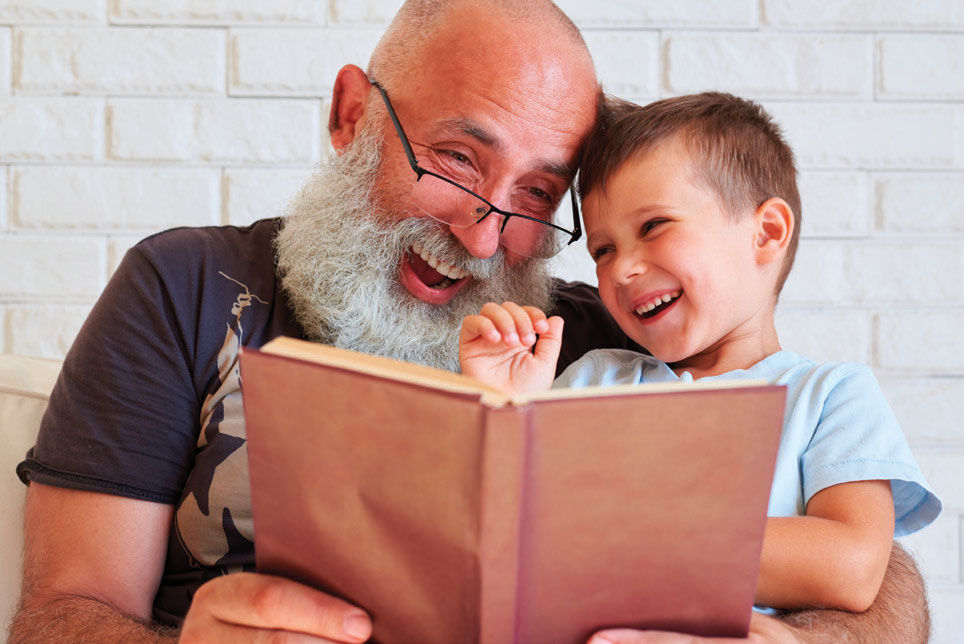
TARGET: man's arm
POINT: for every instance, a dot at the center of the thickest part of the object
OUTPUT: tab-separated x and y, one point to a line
93	563
898	615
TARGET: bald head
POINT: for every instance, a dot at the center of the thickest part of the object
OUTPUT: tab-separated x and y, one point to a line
419	23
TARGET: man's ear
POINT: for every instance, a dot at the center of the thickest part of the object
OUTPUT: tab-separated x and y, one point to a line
773	230
349	99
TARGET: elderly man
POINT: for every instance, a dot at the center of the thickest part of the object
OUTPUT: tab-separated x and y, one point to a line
454	150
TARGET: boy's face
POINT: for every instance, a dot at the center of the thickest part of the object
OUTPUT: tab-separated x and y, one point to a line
677	272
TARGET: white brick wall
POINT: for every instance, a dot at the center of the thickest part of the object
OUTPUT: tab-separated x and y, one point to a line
122	117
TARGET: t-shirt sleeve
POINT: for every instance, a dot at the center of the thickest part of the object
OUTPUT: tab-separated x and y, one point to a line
123	415
858	438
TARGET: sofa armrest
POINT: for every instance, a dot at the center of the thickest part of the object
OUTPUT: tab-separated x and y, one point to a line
25	385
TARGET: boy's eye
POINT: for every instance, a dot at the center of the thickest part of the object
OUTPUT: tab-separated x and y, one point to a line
598	253
650	225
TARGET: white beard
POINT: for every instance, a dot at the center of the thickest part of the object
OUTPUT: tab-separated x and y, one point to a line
339	256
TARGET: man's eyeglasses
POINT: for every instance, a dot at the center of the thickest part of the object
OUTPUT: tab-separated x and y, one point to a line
531	235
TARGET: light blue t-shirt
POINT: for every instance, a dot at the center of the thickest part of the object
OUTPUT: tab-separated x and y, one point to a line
837	427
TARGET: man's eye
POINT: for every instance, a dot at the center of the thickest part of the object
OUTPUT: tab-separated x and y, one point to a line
458	157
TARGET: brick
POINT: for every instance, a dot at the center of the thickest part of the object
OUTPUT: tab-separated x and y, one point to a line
933	15
367	12
294	62
120	60
825	65
817	275
947	619
218	131
256	194
45	330
826	335
922	273
942	469
110	198
627	61
869	135
935	548
929	409
655	15
922	341
215	12
5	61
50	266
835	204
921	67
20	12
920	203
4	181
51	129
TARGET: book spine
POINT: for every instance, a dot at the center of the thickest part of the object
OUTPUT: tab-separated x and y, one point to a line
503	463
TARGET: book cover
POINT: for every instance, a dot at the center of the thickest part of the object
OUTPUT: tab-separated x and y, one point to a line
454	514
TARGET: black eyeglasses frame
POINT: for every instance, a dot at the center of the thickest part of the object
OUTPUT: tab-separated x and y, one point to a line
574	234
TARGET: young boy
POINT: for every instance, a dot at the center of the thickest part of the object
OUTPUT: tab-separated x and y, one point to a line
692	217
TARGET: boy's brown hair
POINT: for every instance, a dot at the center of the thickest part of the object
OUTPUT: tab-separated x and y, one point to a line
738	150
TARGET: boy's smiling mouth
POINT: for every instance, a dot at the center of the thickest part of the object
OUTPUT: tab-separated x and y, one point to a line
657	305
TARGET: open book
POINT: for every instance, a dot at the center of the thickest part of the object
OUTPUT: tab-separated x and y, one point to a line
454	514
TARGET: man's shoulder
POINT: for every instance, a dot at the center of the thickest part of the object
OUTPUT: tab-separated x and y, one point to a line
244	242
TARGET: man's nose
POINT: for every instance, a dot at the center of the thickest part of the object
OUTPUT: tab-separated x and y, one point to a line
481	239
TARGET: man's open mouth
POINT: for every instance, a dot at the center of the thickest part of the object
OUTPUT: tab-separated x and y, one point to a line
432	271
657	305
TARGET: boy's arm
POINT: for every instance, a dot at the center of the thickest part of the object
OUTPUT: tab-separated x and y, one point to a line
835	556
500	347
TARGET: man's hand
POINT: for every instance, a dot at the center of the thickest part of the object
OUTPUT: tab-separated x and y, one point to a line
763	630
496	347
248	607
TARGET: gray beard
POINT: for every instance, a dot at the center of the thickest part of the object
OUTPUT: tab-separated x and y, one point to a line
339	256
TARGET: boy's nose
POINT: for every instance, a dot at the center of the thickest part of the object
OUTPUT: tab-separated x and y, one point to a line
627	267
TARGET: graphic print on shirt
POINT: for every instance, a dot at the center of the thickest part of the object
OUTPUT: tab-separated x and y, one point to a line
213	520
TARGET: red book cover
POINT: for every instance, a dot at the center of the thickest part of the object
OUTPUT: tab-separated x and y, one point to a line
453	514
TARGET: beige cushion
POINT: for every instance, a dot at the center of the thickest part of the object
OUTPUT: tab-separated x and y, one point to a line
25	384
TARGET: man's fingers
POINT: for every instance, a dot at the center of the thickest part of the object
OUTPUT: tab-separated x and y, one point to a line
273	603
629	636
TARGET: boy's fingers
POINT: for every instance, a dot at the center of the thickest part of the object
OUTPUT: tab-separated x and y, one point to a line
538	319
478	326
503	320
550	341
523	323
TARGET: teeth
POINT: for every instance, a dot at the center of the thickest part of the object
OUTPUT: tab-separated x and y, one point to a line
646	307
444	268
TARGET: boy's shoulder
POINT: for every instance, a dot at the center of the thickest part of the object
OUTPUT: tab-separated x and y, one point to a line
613	367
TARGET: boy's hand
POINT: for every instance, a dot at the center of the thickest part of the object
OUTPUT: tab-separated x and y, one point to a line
499	347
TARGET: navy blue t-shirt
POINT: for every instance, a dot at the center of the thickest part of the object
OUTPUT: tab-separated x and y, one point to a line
148	404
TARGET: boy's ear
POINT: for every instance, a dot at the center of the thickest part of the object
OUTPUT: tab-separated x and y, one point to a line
349	99
774	228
